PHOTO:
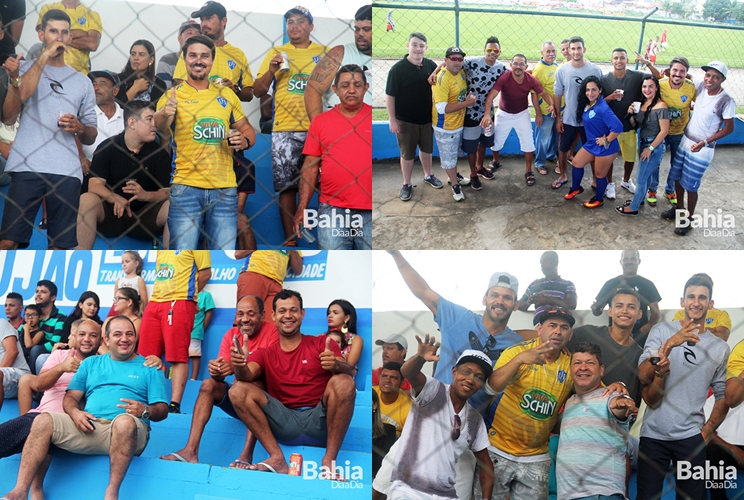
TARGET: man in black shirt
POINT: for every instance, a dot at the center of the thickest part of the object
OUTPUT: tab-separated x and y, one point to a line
129	187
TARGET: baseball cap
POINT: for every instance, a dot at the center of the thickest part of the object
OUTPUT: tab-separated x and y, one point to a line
454	50
504	279
477	357
394	338
718	66
104	73
301	11
557	312
210	8
189	24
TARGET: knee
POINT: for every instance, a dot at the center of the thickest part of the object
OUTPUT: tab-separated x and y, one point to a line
124	426
211	387
242	392
342	385
43	423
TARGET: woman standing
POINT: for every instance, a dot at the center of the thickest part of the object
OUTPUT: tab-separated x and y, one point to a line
138	80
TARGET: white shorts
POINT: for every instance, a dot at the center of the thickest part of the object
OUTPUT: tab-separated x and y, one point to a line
448	142
401	491
521	122
195	348
11	376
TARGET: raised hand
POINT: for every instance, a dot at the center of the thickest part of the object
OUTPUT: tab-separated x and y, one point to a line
624	403
171	105
536	355
327	357
427	348
71	364
11	65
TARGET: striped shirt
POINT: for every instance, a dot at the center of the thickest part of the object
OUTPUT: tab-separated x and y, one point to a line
551	287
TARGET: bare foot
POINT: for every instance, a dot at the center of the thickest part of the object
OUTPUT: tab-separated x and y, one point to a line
328	471
181	456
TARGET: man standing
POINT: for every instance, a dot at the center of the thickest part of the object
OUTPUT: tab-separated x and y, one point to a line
451	97
546	136
109	115
515	86
262	274
169	315
167	64
44	159
408	99
550	291
621	87
339	150
300	371
568	80
14	309
291	121
394	348
200	118
116	417
649	295
12	363
394	403
85	32
319	94
691	361
129	186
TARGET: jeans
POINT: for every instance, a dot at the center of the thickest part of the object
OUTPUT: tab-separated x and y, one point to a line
194	212
646	170
343	236
36	351
671	142
546	141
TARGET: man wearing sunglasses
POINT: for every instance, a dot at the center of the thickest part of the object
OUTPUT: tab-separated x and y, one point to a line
425	464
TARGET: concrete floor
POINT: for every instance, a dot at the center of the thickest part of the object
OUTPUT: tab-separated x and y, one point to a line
506	214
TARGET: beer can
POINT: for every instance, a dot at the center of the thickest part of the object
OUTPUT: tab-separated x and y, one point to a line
295	464
488	131
285	64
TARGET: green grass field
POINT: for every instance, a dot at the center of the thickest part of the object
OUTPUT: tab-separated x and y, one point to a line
524	33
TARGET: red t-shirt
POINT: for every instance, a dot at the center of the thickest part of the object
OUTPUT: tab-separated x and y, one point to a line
405	385
513	98
295	378
268	336
344	145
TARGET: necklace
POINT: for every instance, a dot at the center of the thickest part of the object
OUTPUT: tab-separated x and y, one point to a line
711	98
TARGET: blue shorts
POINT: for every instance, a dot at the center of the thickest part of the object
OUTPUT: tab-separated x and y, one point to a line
197	213
688	167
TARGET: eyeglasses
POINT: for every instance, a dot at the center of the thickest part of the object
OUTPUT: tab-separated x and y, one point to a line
490	51
32	315
456	59
117	299
456	428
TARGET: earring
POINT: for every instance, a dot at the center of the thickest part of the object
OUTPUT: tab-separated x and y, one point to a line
344	329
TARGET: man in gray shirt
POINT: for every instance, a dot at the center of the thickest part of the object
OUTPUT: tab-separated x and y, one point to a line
690	361
568	81
58	106
167	63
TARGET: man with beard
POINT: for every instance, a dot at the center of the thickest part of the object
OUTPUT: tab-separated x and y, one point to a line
204	123
394	348
424	467
213	391
51	323
14	309
300	371
319	94
116	417
691	361
546	136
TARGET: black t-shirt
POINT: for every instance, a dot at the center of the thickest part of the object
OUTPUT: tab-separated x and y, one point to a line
381	447
409	85
153	94
646	290
115	163
631	83
11	10
620	362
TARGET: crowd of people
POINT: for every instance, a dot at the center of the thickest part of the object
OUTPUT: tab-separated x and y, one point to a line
533	414
156	151
623	112
288	387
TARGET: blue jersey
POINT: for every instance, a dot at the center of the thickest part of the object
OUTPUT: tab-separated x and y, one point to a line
598	121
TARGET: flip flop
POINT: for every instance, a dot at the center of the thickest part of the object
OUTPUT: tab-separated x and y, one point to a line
558	184
240	465
268	467
542	170
178	458
558	170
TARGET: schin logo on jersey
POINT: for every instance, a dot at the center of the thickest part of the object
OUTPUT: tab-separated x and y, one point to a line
165	272
538	404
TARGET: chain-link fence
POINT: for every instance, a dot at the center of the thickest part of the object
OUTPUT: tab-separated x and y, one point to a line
248	196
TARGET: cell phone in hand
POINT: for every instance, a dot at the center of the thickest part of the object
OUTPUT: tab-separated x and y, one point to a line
237	344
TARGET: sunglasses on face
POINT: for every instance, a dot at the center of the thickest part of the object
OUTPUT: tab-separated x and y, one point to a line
456	59
490	51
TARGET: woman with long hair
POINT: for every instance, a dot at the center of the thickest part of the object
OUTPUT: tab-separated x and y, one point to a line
126	303
138	80
342	327
602	128
653	120
87	307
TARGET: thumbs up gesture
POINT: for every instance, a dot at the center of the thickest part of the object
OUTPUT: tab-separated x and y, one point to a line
171	105
71	364
470	99
327	357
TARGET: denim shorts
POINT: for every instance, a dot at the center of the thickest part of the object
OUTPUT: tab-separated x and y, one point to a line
341	237
197	213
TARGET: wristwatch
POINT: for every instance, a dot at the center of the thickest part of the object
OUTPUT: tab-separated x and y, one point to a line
145	414
651	148
16	82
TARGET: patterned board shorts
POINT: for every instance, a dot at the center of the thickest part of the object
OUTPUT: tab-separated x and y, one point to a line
287	158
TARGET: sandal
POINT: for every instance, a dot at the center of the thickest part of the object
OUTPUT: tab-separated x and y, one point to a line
494	166
558	170
529	177
558	184
621	211
542	170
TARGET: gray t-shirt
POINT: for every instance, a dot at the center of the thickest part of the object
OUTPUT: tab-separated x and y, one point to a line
166	67
568	81
693	371
6	330
481	78
631	84
40	146
651	128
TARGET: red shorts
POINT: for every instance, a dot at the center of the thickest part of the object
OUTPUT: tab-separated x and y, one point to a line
157	334
259	285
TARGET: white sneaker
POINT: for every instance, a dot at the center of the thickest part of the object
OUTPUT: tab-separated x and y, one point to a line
610	192
628	185
457	193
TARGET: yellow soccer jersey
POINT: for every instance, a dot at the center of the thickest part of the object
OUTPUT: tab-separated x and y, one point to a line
270	263
545	74
289	97
736	361
176	277
529	406
396	413
679	102
82	18
450	89
202	157
714	318
229	62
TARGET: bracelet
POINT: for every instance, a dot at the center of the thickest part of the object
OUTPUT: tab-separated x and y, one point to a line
661	375
706	142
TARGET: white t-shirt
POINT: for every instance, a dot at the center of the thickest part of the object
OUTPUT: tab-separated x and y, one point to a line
732	428
106	128
709	113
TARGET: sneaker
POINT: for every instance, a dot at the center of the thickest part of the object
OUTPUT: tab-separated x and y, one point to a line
460	180
475	183
174	407
457	193
651	198
43	224
593	203
628	185
486	174
610	192
669	214
405	192
682	231
672	197
572	194
433	181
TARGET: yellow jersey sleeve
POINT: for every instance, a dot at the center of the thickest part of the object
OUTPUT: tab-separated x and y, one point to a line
735	361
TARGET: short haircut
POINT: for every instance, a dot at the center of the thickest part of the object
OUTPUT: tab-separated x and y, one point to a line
204	40
49	286
15	295
620	49
493	39
589	348
259	302
700	279
54	15
75	324
133	109
115	318
680	60
419	35
625	291
33	307
364	13
393	365
349	68
565	40
547	42
519	55
285	294
577	39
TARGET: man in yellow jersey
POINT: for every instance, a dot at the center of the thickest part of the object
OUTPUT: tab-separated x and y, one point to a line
204	123
169	315
85	29
717	321
546	136
290	116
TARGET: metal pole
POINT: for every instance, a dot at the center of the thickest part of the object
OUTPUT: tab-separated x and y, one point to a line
643	31
457	23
